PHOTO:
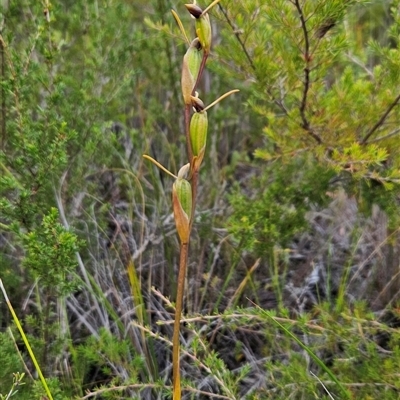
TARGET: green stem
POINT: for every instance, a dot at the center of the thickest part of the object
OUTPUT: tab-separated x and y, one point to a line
187	132
194	183
201	69
177	323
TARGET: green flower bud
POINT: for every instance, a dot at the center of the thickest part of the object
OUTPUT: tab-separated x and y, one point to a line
198	136
190	69
182	205
203	30
203	26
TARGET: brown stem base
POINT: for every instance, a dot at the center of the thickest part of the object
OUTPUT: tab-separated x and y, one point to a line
176	377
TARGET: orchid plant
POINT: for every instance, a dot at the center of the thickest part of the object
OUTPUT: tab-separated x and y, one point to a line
184	190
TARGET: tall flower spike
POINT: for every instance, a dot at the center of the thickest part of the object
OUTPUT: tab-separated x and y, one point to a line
203	26
190	69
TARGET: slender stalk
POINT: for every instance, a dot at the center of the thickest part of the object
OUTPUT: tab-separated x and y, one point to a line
194	182
187	132
184	251
381	120
26	342
202	65
305	124
177	322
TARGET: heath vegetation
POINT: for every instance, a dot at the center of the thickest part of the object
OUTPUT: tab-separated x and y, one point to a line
267	267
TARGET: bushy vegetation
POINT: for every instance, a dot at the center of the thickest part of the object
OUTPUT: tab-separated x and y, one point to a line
293	273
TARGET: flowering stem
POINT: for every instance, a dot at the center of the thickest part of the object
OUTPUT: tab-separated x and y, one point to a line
177	322
201	69
187	132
